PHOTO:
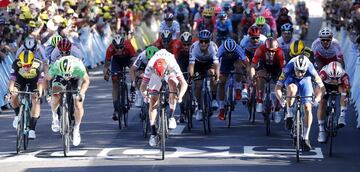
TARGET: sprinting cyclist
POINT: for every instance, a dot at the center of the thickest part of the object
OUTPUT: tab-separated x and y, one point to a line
161	66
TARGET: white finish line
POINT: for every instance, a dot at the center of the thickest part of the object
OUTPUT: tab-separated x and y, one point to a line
172	152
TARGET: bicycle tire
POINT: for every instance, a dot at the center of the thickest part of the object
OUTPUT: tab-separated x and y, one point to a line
120	106
267	113
19	131
331	131
297	147
230	95
145	120
126	110
206	111
163	134
209	113
251	105
25	129
65	130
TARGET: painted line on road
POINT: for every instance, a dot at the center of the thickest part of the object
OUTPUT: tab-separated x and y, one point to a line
178	130
251	151
71	153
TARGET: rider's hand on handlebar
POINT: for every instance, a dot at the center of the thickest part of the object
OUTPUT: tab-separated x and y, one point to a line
106	74
282	102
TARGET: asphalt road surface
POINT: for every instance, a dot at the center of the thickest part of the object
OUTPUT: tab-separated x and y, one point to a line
243	147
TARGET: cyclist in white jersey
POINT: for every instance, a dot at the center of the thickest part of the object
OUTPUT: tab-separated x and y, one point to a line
326	49
203	59
286	39
161	66
170	24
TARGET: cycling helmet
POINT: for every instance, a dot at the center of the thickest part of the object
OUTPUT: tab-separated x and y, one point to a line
66	67
335	70
248	12
297	47
30	43
222	15
217	9
118	41
55	40
254	31
284	11
325	32
257	1
204	34
260	20
26	58
207	12
166	35
169	16
64	45
287	27
271	44
160	66
301	63
230	45
150	51
186	38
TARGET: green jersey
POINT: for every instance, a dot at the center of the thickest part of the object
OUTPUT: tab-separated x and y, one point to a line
78	72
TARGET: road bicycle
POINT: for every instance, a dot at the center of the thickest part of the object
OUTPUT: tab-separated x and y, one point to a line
230	101
144	117
267	111
189	104
331	116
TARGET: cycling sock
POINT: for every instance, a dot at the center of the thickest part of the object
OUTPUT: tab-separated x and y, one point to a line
33	122
17	111
306	132
153	130
321	125
116	106
77	126
289	113
54	115
152	122
172	111
221	104
343	110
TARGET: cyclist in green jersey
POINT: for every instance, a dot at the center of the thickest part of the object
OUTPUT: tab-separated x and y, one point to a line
69	70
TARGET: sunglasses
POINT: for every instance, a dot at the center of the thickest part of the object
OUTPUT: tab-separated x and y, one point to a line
186	45
271	51
335	78
119	47
168	20
325	40
300	71
255	38
64	53
26	65
204	41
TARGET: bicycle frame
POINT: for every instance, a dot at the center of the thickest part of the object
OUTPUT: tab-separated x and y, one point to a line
332	125
123	99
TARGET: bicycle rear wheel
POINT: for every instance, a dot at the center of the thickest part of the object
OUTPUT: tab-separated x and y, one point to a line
206	112
267	114
251	105
331	132
230	104
127	105
145	120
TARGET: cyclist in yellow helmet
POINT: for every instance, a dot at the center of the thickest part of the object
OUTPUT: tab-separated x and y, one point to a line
26	72
298	47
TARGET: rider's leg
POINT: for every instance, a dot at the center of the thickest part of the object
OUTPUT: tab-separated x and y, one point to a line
153	104
35	109
260	84
291	91
213	85
240	80
172	87
308	118
221	91
343	107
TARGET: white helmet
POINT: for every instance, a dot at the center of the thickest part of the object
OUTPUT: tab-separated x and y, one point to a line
30	43
186	37
334	70
301	63
325	32
118	40
166	35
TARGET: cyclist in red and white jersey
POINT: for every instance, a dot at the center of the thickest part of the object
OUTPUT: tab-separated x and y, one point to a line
335	78
162	66
326	49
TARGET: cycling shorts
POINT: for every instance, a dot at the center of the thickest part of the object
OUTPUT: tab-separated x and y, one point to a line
118	63
227	65
202	67
21	83
274	70
330	88
155	81
304	85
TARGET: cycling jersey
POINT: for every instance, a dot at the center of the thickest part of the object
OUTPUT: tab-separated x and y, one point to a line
74	51
19	72
173	71
141	61
325	56
128	51
285	46
174	28
78	72
227	60
39	52
261	56
223	29
209	55
304	84
182	55
249	47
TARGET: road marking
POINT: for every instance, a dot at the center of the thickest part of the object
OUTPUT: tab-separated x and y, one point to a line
151	153
266	152
178	130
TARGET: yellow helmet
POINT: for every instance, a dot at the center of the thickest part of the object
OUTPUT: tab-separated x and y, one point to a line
70	11
28	15
107	15
32	23
26	58
208	12
21	17
297	48
44	16
106	8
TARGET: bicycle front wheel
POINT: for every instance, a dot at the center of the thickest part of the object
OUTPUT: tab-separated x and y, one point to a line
26	118
65	130
19	130
298	135
231	102
126	107
163	133
331	131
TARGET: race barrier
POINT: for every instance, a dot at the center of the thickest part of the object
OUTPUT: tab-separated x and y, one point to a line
93	46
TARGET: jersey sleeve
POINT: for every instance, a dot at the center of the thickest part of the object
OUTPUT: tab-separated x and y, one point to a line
138	60
80	69
315	75
240	52
176	48
345	81
284	74
192	54
257	55
213	51
221	51
55	54
322	74
54	69
109	53
280	57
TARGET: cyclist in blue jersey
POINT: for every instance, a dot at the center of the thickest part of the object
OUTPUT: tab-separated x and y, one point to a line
296	77
224	28
231	57
286	39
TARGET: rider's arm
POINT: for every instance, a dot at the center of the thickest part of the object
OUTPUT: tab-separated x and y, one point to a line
214	52
191	60
135	66
278	92
255	61
109	54
318	81
85	84
183	87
